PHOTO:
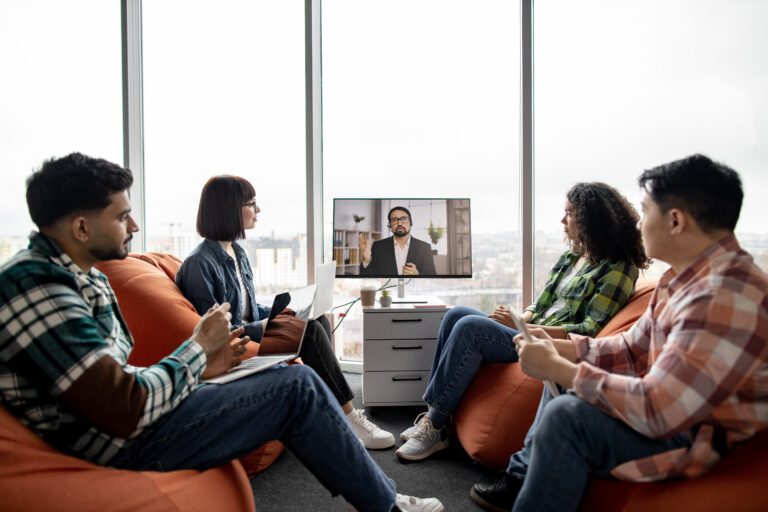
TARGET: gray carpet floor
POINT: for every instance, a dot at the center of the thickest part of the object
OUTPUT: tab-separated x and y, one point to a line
448	475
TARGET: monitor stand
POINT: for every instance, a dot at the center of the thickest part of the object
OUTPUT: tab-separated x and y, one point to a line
401	299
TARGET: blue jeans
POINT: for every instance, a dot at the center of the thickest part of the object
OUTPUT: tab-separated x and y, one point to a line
219	423
573	440
467	338
519	461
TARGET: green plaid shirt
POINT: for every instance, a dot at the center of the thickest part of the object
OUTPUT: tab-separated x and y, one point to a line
56	321
592	296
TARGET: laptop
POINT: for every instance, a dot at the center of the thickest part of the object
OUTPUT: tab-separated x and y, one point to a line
282	338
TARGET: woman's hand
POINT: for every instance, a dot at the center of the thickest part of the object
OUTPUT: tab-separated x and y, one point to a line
501	315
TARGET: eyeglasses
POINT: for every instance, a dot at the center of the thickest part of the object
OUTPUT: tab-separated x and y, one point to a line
400	220
250	204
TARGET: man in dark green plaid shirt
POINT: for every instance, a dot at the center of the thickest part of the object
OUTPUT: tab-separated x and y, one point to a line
64	348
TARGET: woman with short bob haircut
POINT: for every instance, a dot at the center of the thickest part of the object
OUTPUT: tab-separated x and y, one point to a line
218	271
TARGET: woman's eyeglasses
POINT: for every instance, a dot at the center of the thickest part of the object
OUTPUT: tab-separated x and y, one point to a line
250	204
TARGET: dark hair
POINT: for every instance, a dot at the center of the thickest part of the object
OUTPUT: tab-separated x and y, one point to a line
74	183
606	224
708	191
403	208
219	216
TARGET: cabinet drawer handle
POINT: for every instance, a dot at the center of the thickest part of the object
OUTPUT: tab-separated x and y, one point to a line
400	379
408	347
401	320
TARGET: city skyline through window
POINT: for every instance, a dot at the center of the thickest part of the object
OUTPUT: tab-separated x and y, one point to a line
431	112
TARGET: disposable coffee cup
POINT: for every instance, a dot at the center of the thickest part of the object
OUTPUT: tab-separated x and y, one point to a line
368	295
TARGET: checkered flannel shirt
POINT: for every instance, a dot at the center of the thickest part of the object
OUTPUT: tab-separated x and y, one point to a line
696	362
592	297
55	322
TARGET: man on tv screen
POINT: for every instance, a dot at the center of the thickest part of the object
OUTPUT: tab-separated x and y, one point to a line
399	254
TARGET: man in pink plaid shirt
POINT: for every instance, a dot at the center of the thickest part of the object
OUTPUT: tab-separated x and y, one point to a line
670	397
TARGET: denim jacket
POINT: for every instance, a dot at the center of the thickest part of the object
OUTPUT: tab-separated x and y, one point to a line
208	277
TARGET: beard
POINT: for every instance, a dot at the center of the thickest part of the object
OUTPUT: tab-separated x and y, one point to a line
108	252
400	232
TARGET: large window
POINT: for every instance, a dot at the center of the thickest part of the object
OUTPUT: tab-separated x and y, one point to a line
61	92
623	86
421	99
224	94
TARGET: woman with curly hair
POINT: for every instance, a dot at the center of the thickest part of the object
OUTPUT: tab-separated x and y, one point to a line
589	284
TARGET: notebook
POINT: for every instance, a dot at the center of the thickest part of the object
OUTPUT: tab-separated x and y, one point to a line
283	335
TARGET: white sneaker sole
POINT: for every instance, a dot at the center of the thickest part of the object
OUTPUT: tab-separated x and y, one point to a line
439	446
379	444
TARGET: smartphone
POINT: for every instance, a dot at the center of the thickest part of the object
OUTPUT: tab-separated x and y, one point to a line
523	328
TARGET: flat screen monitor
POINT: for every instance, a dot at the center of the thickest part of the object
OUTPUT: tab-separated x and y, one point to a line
402	238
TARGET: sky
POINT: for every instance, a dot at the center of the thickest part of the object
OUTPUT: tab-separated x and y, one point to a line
420	98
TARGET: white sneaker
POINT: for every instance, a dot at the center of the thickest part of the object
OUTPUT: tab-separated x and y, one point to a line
413	504
408	433
368	432
424	441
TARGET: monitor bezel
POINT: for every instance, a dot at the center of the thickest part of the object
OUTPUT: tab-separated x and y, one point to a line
470	275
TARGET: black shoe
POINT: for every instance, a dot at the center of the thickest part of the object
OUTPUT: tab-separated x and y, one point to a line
498	495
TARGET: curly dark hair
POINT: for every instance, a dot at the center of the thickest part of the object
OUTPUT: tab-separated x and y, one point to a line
606	224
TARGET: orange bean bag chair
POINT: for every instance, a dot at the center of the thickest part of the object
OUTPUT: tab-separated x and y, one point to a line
499	406
34	477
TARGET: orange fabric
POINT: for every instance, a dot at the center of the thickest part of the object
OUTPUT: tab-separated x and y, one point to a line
36	477
495	412
168	263
262	458
159	317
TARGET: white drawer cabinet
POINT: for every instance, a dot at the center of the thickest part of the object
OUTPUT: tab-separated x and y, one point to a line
398	349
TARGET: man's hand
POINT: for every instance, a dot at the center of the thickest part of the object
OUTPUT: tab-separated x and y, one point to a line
212	331
501	315
409	269
228	357
539	332
365	248
540	360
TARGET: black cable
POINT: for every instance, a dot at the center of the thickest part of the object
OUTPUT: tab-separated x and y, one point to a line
353	302
341	318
